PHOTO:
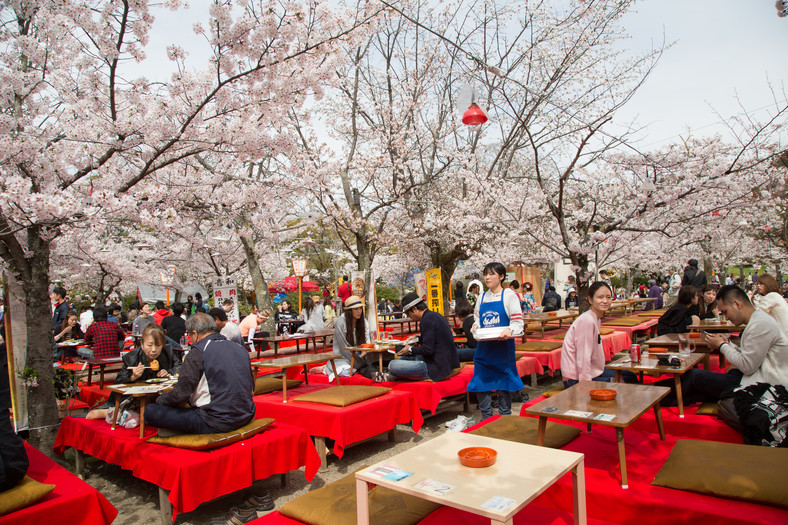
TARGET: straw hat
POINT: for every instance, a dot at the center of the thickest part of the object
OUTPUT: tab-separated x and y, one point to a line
354	301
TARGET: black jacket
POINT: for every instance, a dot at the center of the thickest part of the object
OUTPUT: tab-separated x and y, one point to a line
436	346
675	320
166	362
174	326
693	277
551	302
13	458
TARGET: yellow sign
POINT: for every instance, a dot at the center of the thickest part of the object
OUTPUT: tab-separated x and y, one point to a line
435	290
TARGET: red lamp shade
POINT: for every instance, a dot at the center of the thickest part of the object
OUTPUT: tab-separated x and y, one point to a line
474	116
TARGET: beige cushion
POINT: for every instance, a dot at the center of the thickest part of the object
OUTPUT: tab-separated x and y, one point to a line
728	470
343	395
454	372
26	493
602	331
537	327
708	409
524	430
335	504
537	346
205	441
266	385
625	321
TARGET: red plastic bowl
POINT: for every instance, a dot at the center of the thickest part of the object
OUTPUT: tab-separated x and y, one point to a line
603	394
477	457
368	345
552	314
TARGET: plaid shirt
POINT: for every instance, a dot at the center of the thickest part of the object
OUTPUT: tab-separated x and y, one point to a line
103	337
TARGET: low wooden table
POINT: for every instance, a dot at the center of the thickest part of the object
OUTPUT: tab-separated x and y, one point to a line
575	404
545	318
305	336
651	364
715	326
520	474
382	348
400	322
102	363
298	360
143	397
671	342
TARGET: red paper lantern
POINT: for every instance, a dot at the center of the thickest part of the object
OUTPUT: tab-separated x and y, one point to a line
474	116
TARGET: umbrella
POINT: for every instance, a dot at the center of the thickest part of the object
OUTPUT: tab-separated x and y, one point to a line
290	284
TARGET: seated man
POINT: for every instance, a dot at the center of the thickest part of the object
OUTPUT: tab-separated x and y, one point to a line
226	328
105	338
761	358
215	379
436	356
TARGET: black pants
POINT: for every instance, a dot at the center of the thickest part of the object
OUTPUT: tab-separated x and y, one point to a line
13	458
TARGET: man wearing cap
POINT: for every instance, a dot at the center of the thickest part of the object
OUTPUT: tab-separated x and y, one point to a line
674	285
435	356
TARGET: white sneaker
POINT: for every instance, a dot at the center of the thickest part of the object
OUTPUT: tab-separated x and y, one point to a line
458	424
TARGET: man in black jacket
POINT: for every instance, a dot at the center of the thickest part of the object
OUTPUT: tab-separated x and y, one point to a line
215	379
436	356
693	276
551	300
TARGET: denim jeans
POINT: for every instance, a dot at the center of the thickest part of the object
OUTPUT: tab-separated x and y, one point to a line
85	352
412	368
466	354
607	376
485	403
180	419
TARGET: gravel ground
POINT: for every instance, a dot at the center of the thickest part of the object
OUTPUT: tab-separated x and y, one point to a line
137	500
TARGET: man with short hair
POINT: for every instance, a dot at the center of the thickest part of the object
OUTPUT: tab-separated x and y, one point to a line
436	355
551	300
174	325
60	312
227	305
215	379
674	285
160	313
762	356
344	291
104	337
229	330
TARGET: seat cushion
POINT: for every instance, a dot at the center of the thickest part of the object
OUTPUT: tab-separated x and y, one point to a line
625	321
537	346
27	492
343	395
728	470
335	504
524	430
454	372
602	331
708	409
266	385
206	441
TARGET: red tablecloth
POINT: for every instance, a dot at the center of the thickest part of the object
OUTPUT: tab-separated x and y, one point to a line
551	360
428	394
629	330
193	476
345	425
93	395
525	366
73	502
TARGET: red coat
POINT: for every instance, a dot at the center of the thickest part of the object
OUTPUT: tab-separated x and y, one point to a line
344	291
159	315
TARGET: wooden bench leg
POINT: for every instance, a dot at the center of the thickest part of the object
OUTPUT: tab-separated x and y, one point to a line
393	435
79	461
322	451
533	380
467	405
165	508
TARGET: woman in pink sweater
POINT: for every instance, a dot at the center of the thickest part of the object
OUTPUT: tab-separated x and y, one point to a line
582	357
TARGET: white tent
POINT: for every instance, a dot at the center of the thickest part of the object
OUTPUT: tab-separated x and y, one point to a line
150	293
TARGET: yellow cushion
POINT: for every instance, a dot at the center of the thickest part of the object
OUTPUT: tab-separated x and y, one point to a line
266	385
205	441
728	470
625	321
26	493
537	327
524	430
335	504
602	331
708	409
537	346
343	395
454	372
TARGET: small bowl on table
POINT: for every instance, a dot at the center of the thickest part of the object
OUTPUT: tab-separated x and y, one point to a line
694	335
602	394
477	457
552	314
368	345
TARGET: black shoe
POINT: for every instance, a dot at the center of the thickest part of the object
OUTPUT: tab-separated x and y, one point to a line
236	516
258	502
519	397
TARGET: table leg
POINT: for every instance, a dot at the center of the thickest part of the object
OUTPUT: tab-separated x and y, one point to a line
618	376
334	368
658	417
494	521
79	463
541	327
533	380
679	396
579	493
540	431
322	451
362	502
707	362
165	508
588	428
467	405
284	479
117	407
276	349
90	374
380	361
101	371
284	385
622	457
143	404
393	435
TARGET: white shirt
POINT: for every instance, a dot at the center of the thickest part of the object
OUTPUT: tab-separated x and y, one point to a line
511	304
773	304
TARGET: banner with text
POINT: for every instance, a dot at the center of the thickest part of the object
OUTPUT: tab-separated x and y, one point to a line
225	288
435	290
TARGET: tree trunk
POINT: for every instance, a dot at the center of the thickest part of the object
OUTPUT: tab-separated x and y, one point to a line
582	280
262	296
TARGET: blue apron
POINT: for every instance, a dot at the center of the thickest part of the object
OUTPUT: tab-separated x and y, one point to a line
494	366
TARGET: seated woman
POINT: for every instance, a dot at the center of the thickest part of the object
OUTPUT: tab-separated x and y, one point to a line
350	329
466	350
582	356
153	358
312	314
682	314
708	302
571	300
70	328
285	313
770	301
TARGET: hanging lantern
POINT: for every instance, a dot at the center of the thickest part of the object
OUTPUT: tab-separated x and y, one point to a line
474	116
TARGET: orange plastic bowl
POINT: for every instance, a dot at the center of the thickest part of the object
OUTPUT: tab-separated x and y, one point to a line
477	457
368	345
658	350
694	335
552	314
602	394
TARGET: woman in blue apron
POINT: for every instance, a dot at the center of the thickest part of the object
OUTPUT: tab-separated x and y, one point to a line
494	363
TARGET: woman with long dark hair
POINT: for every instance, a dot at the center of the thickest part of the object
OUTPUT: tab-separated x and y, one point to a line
708	302
350	329
313	317
682	314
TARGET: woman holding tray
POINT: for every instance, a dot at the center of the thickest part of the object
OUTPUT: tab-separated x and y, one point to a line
494	362
582	356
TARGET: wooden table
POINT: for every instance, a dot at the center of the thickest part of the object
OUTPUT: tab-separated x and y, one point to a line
632	402
651	364
143	397
299	360
671	342
400	322
716	326
102	363
545	318
298	337
520	474
380	350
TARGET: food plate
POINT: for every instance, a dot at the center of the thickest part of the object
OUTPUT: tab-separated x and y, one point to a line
603	394
157	380
477	457
490	334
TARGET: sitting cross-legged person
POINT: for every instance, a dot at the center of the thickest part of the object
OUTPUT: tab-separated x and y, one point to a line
153	358
762	356
105	338
215	379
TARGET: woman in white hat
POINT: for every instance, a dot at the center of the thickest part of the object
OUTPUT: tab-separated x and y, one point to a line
350	329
